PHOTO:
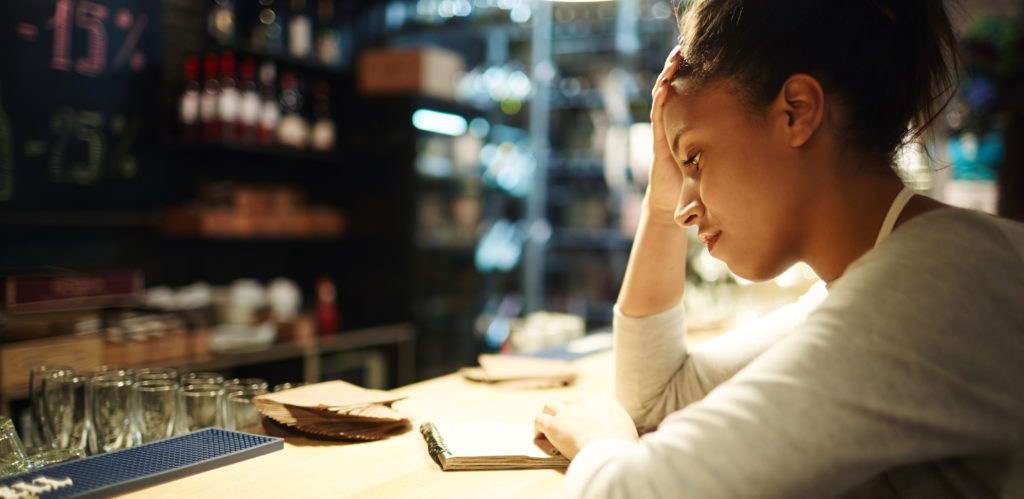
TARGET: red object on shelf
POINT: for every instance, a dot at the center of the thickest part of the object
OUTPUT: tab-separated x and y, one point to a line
229	102
208	103
270	111
189	111
249	108
327	319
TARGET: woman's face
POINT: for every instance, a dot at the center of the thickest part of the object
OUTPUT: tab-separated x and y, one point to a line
742	187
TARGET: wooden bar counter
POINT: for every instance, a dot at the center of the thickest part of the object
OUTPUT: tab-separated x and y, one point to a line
398	466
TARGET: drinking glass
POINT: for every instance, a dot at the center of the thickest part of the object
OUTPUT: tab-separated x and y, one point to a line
110	404
58	405
12	454
78	436
202	378
156	373
64	405
43	426
199	406
113	370
241	413
155	408
288	386
245	383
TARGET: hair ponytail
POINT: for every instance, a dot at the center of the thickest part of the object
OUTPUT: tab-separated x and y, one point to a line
933	59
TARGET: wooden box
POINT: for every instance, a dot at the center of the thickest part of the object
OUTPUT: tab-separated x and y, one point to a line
82	353
426	70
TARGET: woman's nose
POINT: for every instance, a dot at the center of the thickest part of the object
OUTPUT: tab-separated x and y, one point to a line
689	208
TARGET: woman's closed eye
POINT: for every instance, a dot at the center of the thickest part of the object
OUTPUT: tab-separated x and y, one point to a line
693	161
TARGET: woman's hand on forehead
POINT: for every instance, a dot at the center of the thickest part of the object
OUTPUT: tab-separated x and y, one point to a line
669	71
665	179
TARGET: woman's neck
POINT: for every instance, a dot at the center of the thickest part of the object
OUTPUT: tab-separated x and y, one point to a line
848	217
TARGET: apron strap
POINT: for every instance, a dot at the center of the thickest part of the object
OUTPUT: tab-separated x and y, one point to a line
894	212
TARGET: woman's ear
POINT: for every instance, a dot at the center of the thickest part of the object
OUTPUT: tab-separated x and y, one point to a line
803	102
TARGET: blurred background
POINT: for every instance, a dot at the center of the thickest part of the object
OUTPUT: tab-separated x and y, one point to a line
378	191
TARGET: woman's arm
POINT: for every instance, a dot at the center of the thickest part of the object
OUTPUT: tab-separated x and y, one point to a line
656	374
655	277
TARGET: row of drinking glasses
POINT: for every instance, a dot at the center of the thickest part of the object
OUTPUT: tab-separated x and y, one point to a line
114	408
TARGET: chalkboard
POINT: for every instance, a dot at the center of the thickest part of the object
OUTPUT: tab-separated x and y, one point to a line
80	102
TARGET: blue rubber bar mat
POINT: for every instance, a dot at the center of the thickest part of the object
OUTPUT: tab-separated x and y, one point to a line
137	467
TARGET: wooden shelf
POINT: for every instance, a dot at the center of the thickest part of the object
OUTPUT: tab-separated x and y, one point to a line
400	336
80	218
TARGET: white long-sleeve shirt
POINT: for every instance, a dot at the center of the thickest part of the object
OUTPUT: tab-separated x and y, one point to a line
907	380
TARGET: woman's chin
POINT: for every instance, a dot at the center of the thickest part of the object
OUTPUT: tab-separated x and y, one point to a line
755	272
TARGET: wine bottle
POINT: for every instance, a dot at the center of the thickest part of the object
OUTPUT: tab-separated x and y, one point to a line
323	134
208	100
229	101
249	108
270	111
188	105
300	30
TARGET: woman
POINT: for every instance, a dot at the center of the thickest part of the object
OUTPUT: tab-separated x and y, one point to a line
775	125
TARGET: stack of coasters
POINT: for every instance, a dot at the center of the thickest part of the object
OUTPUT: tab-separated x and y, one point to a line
335	410
521	371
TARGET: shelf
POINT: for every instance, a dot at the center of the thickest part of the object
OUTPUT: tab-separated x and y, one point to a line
281	58
461	28
247	240
466	249
401	336
384	104
587	99
309	156
575	238
560	166
81	219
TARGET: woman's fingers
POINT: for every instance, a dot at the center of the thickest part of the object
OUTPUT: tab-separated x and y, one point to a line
553	406
671	64
663	86
540	425
551	409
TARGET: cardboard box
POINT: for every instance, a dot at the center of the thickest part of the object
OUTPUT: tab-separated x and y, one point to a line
426	70
71	290
81	353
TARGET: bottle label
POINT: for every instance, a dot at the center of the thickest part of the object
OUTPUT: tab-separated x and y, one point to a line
229	104
269	115
300	34
190	107
250	109
208	106
323	135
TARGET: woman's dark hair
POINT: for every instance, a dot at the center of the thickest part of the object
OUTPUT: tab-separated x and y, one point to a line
890	63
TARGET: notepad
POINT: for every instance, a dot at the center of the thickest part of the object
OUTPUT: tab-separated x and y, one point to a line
457	446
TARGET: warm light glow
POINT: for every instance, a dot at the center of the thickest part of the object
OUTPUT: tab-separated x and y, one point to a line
438	122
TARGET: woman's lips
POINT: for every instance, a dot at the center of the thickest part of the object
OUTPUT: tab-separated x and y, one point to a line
710	239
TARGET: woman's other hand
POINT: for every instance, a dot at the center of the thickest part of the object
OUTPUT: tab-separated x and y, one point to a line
665	178
570	426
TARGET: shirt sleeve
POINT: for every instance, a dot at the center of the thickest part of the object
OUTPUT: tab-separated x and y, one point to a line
913	358
655	372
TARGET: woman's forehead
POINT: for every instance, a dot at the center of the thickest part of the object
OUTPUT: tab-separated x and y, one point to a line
698	104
